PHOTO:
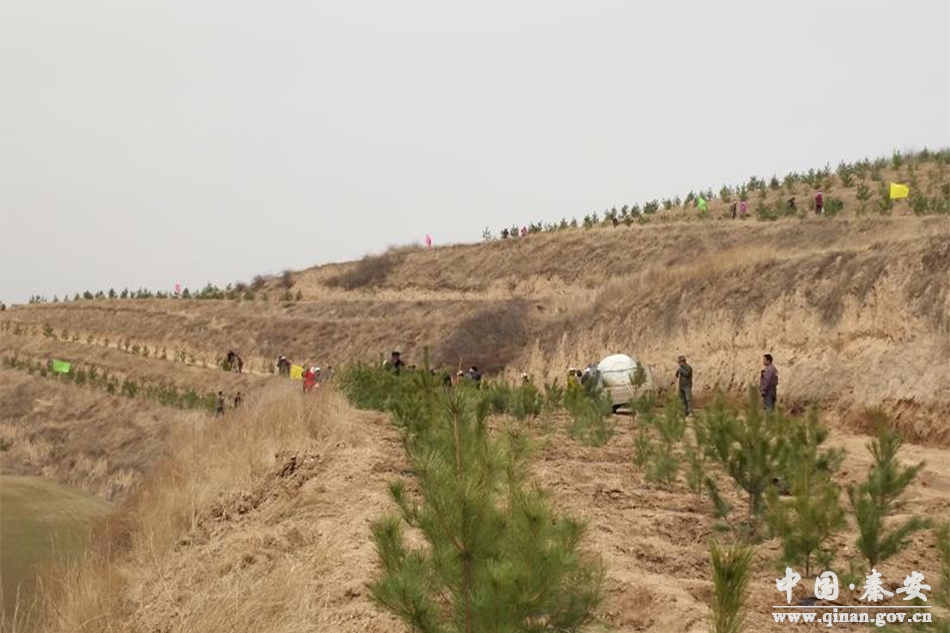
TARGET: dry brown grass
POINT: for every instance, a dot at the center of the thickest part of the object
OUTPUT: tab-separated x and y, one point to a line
369	272
217	538
490	339
852	307
267	529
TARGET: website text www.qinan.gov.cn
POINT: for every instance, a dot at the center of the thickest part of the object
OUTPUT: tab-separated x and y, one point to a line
838	616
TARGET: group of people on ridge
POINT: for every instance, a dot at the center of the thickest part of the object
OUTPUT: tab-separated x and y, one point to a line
234	362
312	376
396	364
219	403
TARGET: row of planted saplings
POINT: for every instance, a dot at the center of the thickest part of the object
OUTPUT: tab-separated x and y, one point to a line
933	200
788	478
239	291
122	344
163	392
779	463
589	409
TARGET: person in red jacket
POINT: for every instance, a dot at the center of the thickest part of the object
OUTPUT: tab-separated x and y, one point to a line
309	379
819	203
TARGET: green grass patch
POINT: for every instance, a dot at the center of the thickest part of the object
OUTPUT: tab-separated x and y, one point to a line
40	522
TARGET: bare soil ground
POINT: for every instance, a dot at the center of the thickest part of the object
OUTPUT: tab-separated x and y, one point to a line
655	540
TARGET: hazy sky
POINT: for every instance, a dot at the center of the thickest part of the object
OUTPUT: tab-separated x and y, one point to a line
149	141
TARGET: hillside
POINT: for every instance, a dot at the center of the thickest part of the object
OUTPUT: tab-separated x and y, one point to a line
852	309
260	520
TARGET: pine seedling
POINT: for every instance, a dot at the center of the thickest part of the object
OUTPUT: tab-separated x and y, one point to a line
671	426
553	396
806	522
748	449
721	508
496	558
590	412
664	465
695	454
877	498
526	401
731	568
642	448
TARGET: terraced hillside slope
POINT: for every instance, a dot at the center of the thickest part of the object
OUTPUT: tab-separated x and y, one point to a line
260	519
855	311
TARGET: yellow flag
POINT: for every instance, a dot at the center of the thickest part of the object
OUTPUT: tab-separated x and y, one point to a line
899	191
296	372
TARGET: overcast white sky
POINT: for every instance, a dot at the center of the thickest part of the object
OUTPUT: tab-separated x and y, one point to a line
149	141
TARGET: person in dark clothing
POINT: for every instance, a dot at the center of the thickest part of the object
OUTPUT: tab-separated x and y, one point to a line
475	375
446	379
684	376
240	364
219	405
791	204
768	383
396	363
733	208
819	203
238	400
504	234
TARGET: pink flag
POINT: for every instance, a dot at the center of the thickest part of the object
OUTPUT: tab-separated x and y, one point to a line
429	241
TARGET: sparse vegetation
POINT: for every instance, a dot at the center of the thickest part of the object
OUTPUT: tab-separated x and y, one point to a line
87	374
806	522
591	414
875	500
748	449
484	527
824	179
371	271
731	568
